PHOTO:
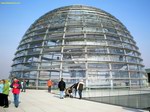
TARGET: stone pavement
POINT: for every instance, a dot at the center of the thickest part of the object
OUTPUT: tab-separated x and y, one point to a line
42	101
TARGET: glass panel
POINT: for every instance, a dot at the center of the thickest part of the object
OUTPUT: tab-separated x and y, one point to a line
32	74
133	67
110	30
122	33
45	74
40	26
134	75
113	37
18	74
32	59
97	50
56	30
69	50
40	31
77	73
75	42
118	58
115	43
50	65
127	46
74	22
23	47
19	60
37	44
34	51
120	74
31	66
93	29
32	83
108	24
118	26
27	40
52	49
125	40
98	79
74	17
53	43
131	59
98	58
74	29
116	51
42	83
74	36
94	36
98	65
96	41
120	82
119	66
130	53
52	56
135	82
54	74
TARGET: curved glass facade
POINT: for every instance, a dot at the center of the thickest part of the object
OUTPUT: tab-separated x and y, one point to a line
79	42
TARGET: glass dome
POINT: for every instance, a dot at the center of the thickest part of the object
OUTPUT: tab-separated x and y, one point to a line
79	42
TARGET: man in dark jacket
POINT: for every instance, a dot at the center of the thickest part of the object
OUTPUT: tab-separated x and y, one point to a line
61	86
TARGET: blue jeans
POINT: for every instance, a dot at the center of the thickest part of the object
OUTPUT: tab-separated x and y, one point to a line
80	94
61	94
75	92
16	99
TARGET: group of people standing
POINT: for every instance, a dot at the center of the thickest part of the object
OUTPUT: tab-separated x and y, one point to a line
77	87
15	85
6	86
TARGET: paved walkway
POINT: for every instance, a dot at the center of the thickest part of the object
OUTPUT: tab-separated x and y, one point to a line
41	101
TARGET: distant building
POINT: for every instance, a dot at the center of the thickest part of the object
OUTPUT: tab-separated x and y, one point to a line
148	74
79	42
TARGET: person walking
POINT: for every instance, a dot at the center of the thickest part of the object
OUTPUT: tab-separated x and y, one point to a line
6	93
61	86
16	86
27	83
49	84
23	86
80	88
1	93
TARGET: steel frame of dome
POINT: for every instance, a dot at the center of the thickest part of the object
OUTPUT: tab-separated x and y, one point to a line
79	42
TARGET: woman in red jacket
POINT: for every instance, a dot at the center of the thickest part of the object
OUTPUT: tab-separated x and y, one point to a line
16	86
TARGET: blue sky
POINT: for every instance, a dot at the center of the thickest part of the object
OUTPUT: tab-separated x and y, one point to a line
15	19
